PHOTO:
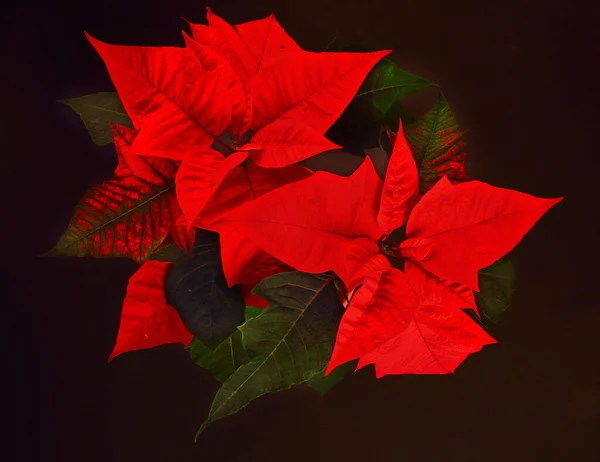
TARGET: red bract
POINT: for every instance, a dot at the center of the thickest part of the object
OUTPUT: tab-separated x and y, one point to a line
146	319
403	322
232	78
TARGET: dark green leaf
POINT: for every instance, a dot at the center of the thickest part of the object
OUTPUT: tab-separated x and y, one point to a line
169	253
224	359
387	85
288	344
323	383
439	146
252	312
197	288
496	283
97	111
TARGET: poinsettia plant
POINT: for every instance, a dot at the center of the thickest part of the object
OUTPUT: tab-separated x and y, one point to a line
271	271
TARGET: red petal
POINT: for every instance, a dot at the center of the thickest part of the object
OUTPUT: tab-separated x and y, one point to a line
401	187
325	222
177	104
267	41
383	306
443	293
437	341
146	319
243	184
312	88
286	142
454	231
224	40
244	263
199	177
211	61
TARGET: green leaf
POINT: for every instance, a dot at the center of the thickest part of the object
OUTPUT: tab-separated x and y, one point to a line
288	344
224	359
169	253
439	146
253	311
323	383
387	85
496	283
96	111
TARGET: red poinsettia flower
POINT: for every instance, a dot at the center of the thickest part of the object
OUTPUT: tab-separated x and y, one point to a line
200	103
402	322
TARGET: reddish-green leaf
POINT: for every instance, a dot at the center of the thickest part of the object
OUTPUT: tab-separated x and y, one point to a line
455	230
439	146
177	105
128	215
146	319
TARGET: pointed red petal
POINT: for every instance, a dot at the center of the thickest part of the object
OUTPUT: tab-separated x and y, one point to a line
146	319
199	177
286	142
267	41
244	184
384	304
401	187
325	222
312	88
211	61
177	104
455	230
223	39
244	263
437	340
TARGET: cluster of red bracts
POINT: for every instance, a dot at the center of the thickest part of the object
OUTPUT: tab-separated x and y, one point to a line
274	215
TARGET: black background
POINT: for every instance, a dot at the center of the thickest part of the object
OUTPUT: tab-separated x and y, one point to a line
522	76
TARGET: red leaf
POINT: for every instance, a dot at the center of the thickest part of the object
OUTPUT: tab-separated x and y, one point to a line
211	61
437	340
400	189
257	264
178	106
128	215
251	48
455	230
325	222
183	235
199	177
312	88
243	184
146	319
224	40
286	142
384	304
267	41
